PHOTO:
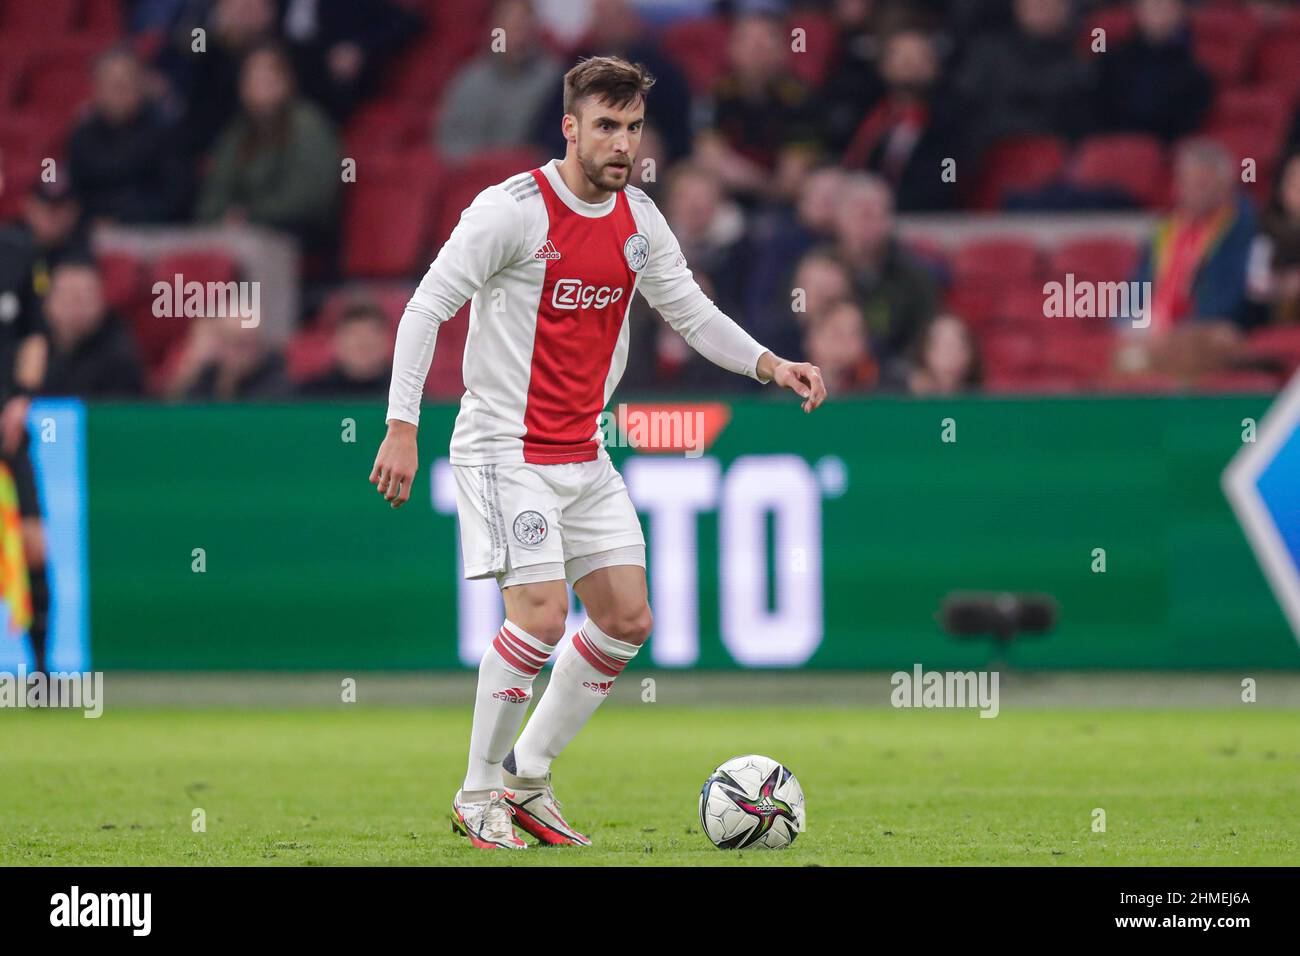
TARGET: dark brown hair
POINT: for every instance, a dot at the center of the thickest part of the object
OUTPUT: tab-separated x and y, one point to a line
610	79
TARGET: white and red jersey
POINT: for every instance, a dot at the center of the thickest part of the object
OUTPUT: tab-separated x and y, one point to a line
552	279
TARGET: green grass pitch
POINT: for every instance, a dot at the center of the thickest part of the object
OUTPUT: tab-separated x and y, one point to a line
372	786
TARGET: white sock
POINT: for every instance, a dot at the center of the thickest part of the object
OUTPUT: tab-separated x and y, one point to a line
505	686
582	677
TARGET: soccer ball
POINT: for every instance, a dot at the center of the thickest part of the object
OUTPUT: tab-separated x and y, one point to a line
751	801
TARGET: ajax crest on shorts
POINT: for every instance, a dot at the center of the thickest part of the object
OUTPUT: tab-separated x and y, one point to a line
530	529
637	251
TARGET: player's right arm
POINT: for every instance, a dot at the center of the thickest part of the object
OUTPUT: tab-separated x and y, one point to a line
488	238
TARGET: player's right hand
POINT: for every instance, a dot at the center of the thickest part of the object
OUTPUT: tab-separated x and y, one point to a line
396	463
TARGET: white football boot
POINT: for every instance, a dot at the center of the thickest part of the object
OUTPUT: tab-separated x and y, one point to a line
485	817
536	810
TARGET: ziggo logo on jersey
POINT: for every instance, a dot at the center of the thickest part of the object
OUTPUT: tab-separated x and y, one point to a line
572	294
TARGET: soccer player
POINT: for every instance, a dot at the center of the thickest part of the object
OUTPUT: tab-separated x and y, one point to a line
552	258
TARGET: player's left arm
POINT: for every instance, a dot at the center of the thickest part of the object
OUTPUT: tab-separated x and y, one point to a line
669	287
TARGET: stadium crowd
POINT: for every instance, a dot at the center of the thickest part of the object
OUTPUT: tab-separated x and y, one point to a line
787	143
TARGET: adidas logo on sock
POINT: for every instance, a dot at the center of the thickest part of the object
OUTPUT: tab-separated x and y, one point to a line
512	695
603	688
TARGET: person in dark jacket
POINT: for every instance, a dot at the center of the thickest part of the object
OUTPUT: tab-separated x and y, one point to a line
1029	79
363	346
125	162
225	360
911	135
91	353
1152	82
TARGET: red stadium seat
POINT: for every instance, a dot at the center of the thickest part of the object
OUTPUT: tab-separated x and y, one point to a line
813	64
1117	21
37	21
1280	344
1021	162
389	214
156	336
101	18
470	177
386	125
996	260
1249	106
1096	259
1141	383
1086	355
1132	164
1223	41
31	131
1238	381
698	46
123	278
56	87
308	354
22	168
1278	62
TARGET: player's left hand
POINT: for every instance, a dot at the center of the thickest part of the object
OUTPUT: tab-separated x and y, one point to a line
804	379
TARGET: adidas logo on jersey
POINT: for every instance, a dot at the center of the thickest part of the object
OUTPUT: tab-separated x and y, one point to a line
548	251
512	695
572	294
602	688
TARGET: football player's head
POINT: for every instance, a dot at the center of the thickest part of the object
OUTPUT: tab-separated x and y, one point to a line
604	112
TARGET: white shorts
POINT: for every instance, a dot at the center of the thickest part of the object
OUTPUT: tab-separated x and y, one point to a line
522	523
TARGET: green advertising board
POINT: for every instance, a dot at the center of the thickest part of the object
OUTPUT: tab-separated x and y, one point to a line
230	537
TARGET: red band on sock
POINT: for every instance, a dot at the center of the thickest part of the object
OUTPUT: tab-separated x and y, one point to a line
593	656
525	651
510	658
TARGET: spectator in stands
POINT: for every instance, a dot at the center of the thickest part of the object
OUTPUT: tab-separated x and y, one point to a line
51	231
785	232
838	344
494	101
1152	83
92	355
277	164
1275	257
124	160
819	280
711	231
339	46
853	86
225	361
1028	79
209	80
363	346
760	108
616	30
896	293
1196	263
944	361
912	132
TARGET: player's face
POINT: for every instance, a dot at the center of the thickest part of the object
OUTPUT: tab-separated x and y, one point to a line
606	142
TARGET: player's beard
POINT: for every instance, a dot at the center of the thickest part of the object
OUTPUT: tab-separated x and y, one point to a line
601	175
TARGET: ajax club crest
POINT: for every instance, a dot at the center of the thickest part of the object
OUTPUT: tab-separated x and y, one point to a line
637	251
530	528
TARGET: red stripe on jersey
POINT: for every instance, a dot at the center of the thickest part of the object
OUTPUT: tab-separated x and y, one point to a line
584	300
